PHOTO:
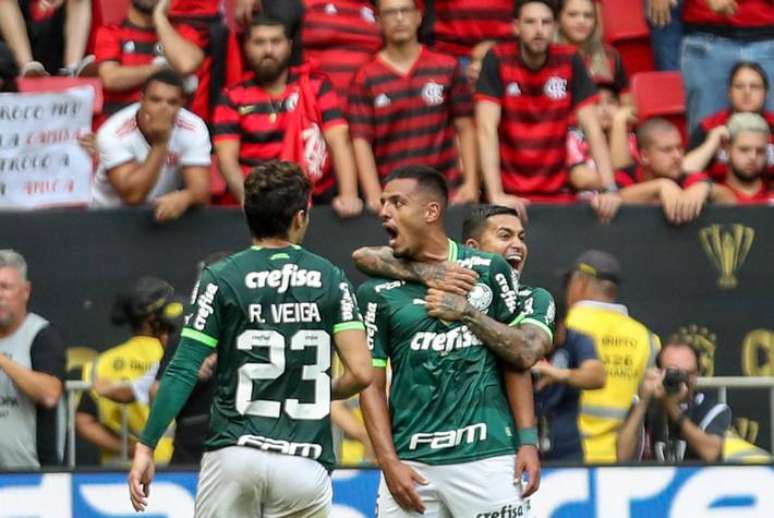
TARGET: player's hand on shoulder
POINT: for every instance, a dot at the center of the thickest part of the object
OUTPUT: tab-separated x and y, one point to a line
401	480
450	277
140	477
444	305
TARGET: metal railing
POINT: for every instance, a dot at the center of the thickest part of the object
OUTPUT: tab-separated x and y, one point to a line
722	384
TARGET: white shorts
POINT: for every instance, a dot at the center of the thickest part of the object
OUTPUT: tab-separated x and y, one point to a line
478	489
239	481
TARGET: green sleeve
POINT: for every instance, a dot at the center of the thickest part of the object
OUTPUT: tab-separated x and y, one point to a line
176	385
203	324
505	307
347	312
538	309
376	327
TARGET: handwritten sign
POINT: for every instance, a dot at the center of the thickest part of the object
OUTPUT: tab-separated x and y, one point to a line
41	162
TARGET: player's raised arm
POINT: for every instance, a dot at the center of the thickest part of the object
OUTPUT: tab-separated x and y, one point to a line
379	261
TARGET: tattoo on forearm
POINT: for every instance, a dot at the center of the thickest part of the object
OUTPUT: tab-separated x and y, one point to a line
520	347
380	261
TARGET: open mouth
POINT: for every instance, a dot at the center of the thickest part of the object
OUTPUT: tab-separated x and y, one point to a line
392	233
514	259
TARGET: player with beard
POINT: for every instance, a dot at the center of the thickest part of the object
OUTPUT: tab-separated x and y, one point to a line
252	117
497	230
144	43
446	443
745	183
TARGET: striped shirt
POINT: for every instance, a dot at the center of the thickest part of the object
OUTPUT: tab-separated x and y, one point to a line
340	35
456	26
537	106
408	118
258	120
131	46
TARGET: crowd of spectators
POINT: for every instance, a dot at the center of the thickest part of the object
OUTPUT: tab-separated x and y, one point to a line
515	102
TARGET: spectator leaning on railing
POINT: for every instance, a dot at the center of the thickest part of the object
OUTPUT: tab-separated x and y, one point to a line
748	85
154	152
671	421
745	182
32	369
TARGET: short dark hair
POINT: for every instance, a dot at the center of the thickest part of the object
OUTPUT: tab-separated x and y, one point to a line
274	193
427	178
679	341
476	220
167	77
519	4
752	65
261	19
646	129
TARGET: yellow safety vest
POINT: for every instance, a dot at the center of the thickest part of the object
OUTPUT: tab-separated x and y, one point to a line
128	361
627	348
736	449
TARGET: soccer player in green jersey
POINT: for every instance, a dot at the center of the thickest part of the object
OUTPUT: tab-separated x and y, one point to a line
498	230
445	443
271	313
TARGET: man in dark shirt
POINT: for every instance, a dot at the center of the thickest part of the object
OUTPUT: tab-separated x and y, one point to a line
671	422
573	366
32	365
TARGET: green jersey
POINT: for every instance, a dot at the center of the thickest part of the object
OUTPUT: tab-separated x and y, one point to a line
447	399
536	307
271	314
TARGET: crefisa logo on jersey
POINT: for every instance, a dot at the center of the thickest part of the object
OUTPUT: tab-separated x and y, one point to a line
290	276
205	306
510	297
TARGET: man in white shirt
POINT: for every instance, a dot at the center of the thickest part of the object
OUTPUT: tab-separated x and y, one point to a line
154	152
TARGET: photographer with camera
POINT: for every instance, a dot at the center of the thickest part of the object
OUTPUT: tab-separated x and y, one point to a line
670	421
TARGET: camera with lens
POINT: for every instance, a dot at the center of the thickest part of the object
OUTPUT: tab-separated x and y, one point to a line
673	378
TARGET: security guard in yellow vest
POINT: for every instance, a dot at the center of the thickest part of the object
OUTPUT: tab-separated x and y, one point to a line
625	346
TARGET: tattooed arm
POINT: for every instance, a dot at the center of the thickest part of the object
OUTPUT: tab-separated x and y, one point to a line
519	346
379	261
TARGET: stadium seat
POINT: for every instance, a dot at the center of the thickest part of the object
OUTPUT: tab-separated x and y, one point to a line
58	84
660	94
626	30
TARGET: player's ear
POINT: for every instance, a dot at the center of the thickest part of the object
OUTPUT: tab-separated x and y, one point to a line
433	212
472	243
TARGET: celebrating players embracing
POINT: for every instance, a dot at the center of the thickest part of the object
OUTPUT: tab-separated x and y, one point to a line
270	312
446	443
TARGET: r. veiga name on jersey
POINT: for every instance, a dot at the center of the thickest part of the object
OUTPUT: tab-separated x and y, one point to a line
286	313
457	338
440	440
290	276
509	296
205	306
298	449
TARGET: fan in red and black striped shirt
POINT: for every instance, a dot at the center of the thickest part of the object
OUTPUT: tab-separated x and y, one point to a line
338	35
252	118
144	43
526	95
408	105
456	27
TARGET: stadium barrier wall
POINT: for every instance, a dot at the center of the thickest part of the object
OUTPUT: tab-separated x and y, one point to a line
614	492
711	279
